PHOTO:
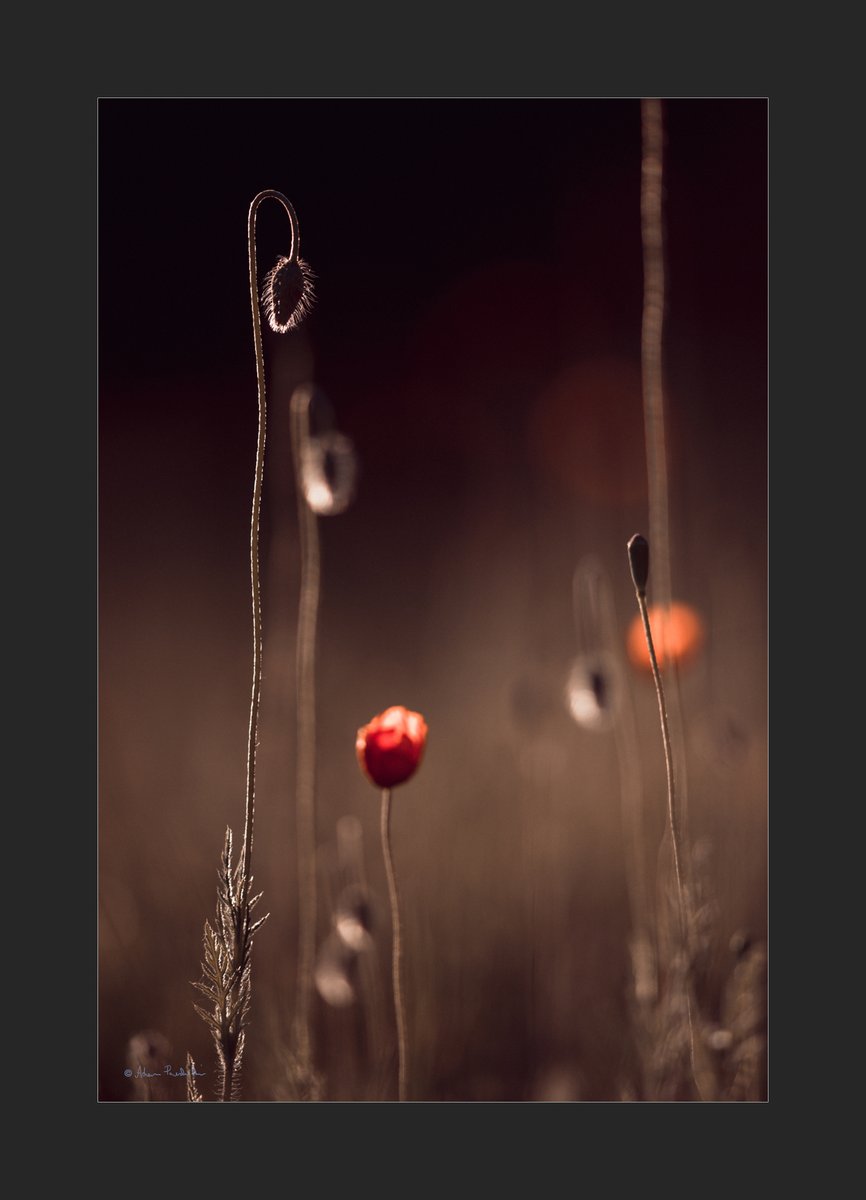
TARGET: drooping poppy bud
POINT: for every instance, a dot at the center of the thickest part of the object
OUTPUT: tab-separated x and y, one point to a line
287	294
390	747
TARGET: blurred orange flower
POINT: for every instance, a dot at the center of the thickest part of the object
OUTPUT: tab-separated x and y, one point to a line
678	634
390	747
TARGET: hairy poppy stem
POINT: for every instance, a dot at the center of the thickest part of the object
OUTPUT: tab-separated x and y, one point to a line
249	812
305	667
227	963
397	944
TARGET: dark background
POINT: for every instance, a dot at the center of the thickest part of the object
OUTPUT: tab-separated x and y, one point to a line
477	330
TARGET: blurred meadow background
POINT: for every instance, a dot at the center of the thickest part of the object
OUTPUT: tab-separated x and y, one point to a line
477	333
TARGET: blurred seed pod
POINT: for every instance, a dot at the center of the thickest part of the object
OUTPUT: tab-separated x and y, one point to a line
335	972
740	943
593	691
149	1049
743	1013
147	1055
287	294
719	1039
557	1084
353	919
329	469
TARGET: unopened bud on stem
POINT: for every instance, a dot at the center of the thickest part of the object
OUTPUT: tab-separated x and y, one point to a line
638	560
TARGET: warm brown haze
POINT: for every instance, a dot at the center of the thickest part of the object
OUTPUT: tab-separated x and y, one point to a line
433	739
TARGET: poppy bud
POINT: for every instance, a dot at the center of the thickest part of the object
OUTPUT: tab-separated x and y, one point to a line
390	747
593	691
638	560
335	971
352	919
740	943
328	471
287	295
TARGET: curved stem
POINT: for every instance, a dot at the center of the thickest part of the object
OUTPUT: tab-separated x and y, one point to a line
673	814
305	668
397	944
675	826
244	870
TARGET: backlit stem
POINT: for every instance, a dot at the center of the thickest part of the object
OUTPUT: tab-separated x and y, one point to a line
245	866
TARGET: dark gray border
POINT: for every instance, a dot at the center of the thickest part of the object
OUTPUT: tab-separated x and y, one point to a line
65	196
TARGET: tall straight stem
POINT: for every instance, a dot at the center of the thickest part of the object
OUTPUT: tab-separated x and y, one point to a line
396	944
652	331
305	668
652	325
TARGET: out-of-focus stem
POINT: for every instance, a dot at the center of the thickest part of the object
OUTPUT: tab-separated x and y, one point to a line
305	667
596	628
652	322
396	944
631	789
652	330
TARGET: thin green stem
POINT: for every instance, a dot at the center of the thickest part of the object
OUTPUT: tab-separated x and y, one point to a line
397	944
305	668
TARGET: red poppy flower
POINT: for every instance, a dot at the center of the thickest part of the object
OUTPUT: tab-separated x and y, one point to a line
678	635
389	749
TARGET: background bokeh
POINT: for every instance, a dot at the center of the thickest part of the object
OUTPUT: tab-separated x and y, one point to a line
477	332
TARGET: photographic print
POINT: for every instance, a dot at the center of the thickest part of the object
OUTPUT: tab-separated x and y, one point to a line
432	600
